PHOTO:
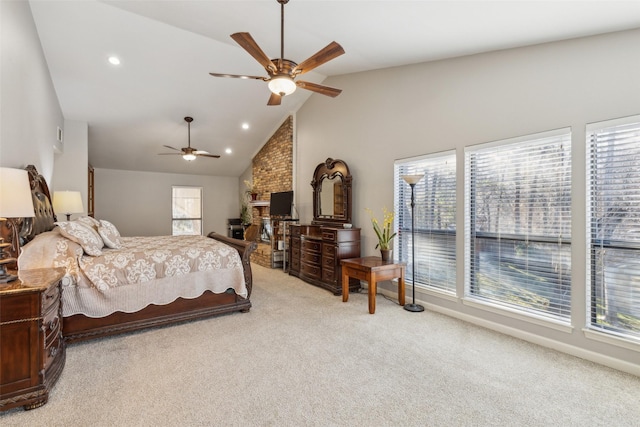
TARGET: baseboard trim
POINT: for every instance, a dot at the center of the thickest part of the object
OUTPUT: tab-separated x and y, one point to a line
581	353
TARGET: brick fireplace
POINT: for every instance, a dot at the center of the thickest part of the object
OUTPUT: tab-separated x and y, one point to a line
272	170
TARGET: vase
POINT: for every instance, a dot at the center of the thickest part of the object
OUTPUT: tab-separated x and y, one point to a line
387	254
254	196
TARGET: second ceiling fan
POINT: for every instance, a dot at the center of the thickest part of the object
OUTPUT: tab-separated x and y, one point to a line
189	153
282	72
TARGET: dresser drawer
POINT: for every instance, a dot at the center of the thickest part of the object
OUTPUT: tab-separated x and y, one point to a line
329	275
295	253
328	250
19	307
328	262
51	297
312	258
51	350
310	270
295	242
295	231
51	324
329	235
311	245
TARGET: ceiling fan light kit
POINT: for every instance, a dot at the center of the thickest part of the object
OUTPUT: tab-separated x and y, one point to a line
282	85
282	72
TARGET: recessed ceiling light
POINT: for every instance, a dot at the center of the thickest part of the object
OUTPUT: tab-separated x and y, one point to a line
228	151
114	60
245	126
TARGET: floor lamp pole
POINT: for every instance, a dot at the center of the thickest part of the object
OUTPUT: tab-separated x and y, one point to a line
412	180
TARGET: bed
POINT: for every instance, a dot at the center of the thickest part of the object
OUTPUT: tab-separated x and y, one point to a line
132	283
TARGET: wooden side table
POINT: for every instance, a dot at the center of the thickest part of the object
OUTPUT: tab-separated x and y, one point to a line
32	349
372	269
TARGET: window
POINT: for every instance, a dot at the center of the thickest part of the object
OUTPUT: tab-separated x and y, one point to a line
435	219
518	224
186	209
614	226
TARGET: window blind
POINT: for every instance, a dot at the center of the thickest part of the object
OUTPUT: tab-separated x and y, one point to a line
518	223
435	220
186	210
614	227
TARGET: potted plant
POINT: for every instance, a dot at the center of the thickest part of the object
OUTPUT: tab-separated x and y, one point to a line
246	215
250	191
384	233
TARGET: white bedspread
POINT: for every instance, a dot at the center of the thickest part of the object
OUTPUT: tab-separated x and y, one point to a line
147	270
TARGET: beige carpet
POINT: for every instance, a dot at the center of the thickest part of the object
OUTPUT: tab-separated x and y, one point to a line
302	357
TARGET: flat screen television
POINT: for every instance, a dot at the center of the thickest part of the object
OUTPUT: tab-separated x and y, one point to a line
281	203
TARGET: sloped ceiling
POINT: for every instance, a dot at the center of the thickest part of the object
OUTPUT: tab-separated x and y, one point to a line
167	48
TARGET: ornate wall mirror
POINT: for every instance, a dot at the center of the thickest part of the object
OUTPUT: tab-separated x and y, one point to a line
331	193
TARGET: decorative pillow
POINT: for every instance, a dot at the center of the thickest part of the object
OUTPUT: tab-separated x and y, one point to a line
110	234
82	234
90	221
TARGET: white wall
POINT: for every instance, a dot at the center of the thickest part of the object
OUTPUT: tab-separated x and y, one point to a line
70	171
30	113
139	203
408	111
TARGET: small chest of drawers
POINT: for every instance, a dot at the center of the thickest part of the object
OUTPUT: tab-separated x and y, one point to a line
32	348
316	252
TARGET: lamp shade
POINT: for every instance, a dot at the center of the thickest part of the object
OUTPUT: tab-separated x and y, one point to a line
67	202
412	179
15	194
282	84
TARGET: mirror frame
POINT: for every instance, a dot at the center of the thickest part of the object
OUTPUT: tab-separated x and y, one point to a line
331	168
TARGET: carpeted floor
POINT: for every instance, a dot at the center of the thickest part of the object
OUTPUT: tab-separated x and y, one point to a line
302	357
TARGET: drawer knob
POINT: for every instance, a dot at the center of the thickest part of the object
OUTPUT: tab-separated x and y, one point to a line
53	324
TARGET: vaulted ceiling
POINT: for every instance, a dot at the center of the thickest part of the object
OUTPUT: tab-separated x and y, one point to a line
167	49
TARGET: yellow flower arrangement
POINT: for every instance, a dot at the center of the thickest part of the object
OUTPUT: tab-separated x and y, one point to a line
249	186
384	233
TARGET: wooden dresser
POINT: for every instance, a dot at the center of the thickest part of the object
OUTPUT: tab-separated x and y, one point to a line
316	252
32	349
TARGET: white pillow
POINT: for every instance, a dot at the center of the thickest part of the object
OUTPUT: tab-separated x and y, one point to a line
110	234
82	234
90	221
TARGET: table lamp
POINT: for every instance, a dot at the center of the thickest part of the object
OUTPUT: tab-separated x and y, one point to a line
67	202
15	203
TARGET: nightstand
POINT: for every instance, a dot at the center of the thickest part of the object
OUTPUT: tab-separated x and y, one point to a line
32	351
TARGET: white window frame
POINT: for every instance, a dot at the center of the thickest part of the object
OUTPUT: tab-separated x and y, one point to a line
436	258
612	289
496	302
189	221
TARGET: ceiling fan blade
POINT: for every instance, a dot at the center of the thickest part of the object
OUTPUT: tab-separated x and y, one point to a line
324	90
172	148
170	154
201	154
274	99
249	44
332	50
237	76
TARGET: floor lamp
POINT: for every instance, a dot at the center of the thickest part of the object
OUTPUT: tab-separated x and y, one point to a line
412	180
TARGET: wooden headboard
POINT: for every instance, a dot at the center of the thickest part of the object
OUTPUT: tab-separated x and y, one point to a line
42	205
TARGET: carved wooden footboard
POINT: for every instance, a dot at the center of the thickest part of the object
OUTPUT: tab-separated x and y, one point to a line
79	327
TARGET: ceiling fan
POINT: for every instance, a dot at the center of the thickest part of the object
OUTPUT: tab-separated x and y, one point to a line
189	153
282	72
